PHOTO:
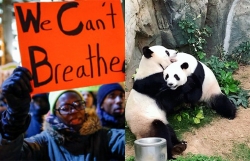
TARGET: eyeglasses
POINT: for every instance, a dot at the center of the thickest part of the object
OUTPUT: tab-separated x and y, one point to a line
66	109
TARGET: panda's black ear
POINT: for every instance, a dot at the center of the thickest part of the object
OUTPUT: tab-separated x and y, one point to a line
147	52
184	65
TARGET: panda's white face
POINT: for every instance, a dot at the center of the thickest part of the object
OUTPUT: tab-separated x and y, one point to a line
162	55
155	59
175	75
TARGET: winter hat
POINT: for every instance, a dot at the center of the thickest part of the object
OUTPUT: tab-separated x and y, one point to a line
104	90
53	97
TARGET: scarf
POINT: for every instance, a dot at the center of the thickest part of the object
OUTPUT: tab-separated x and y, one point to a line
62	132
110	121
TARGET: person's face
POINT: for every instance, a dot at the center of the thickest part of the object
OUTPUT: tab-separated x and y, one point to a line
74	119
88	98
113	103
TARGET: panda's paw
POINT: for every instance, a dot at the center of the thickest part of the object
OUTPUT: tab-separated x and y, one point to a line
183	142
179	148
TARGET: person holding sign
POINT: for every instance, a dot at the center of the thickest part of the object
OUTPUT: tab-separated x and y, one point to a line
69	132
76	33
110	105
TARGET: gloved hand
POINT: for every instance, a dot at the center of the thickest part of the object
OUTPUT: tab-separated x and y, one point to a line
16	89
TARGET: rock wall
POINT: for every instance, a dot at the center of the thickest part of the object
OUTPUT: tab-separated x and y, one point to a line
240	25
150	22
140	30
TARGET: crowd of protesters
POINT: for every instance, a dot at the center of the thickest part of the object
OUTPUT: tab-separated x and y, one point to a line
68	124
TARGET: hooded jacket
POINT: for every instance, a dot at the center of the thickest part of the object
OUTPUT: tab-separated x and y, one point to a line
91	143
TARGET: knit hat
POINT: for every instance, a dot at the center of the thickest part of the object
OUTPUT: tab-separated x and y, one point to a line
53	97
104	90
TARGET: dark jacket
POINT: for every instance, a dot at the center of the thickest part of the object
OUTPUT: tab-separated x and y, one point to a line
36	121
110	121
92	143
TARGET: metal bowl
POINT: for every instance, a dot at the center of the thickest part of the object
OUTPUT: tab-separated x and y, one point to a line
150	149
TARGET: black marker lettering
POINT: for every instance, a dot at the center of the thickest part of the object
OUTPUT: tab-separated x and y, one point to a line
63	8
102	23
114	61
89	25
56	78
29	18
99	58
90	61
35	65
112	14
67	70
80	72
45	23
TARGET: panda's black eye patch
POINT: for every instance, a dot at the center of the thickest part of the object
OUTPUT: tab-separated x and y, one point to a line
176	77
166	77
167	53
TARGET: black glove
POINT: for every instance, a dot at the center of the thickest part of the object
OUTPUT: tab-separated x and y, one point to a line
16	89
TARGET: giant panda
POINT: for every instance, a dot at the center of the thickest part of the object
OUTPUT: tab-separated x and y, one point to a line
143	116
205	87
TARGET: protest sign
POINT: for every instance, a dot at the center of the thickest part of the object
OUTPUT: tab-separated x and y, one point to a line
71	44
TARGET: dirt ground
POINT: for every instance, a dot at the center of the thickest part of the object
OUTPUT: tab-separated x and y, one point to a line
218	137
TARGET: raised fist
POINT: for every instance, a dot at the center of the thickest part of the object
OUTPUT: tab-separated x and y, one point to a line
16	89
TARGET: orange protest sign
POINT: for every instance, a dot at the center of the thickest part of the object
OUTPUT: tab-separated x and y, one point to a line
71	44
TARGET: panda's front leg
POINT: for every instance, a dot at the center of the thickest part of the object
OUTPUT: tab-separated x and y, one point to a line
192	90
189	85
177	146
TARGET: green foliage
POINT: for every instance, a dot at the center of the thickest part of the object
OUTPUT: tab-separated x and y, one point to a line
241	98
198	157
194	115
130	137
199	116
216	64
189	118
223	71
240	152
130	158
195	36
241	54
222	68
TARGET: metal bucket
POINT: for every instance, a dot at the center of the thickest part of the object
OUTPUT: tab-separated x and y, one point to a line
150	149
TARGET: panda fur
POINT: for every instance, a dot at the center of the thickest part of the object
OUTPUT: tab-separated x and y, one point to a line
189	90
143	116
206	88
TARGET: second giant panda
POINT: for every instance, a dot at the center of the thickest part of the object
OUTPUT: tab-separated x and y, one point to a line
143	116
205	88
